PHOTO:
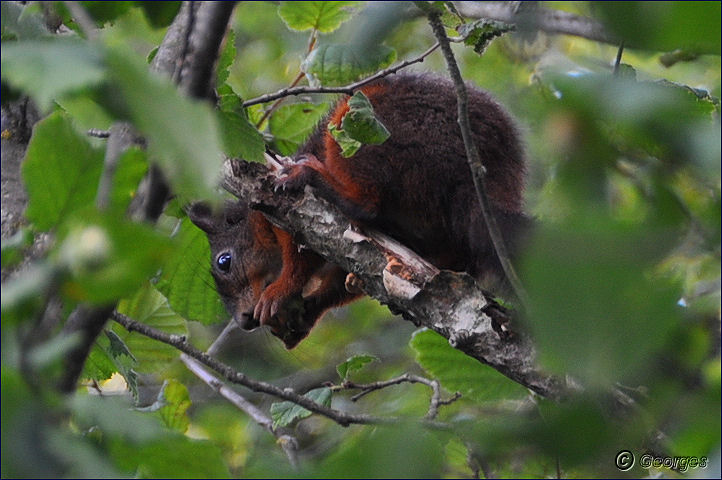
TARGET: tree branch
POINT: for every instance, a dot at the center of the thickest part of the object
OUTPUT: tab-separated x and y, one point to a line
552	21
233	376
348	89
476	167
449	303
288	443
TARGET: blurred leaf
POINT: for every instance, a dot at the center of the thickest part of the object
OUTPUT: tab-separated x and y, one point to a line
291	125
285	413
133	427
150	307
604	313
86	114
322	16
101	253
385	452
16	23
459	372
354	364
664	26
61	172
48	69
339	64
160	14
132	167
186	280
182	133
361	124
173	456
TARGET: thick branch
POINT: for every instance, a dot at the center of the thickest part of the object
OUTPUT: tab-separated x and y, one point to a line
552	21
446	302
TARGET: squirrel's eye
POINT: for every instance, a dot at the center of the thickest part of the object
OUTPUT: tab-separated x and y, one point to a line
223	261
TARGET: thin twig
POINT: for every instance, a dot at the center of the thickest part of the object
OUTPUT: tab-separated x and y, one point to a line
551	21
348	89
618	60
233	376
288	443
81	17
434	404
472	155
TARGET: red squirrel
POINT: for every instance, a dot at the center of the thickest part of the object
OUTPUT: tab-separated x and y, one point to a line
416	187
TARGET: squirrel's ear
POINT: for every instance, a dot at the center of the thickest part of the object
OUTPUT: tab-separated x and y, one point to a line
202	217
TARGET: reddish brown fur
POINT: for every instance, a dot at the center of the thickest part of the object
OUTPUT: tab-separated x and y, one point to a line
416	187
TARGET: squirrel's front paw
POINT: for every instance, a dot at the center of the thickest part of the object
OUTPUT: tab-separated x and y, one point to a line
295	176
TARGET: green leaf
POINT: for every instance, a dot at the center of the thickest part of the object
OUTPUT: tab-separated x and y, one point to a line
182	133
48	69
322	16
354	364
99	366
173	456
605	313
174	401
459	372
360	123
102	255
160	14
348	145
132	167
291	125
187	282
285	413
228	54
664	26
339	64
124	361
151	308
61	172
240	138
16	24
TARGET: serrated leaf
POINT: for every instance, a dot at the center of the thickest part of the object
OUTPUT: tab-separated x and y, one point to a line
47	69
285	413
151	308
322	16
339	64
291	125
61	171
348	145
187	282
459	372
354	364
228	54
361	124
240	138
108	356
183	134
174	401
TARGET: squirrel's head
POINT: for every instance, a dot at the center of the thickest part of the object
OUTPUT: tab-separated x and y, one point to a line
245	257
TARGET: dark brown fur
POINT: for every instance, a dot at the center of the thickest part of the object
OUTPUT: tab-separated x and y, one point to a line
416	186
